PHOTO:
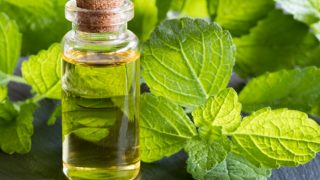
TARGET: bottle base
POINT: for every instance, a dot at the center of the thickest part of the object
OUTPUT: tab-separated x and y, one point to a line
129	172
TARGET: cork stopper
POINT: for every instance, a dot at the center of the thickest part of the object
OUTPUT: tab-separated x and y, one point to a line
98	16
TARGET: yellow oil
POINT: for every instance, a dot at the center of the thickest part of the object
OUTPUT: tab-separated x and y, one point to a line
100	115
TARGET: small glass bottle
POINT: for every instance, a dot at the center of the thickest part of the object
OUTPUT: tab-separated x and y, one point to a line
100	91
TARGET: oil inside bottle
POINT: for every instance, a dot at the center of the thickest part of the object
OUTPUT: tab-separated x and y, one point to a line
100	104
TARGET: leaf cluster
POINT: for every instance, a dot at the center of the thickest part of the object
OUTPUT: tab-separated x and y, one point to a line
187	64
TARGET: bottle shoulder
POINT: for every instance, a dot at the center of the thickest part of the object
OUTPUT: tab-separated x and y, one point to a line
127	41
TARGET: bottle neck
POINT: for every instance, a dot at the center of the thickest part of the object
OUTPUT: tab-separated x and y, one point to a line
113	33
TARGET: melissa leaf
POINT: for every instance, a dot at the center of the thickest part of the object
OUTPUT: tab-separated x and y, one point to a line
307	11
205	155
222	110
237	167
42	22
191	8
273	138
146	18
165	128
91	82
92	134
239	16
89	119
10	44
297	89
277	42
3	93
16	128
43	72
187	61
163	7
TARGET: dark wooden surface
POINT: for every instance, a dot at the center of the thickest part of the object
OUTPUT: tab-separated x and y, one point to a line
44	160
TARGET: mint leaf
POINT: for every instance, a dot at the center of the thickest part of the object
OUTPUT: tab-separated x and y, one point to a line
89	119
145	19
222	110
43	71
203	56
92	134
3	93
236	167
16	128
42	22
99	82
273	138
10	44
163	7
205	155
164	128
192	8
307	11
239	16
277	42
297	89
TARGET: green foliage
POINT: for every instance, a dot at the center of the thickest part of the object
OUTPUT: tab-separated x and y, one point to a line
90	125
239	16
273	138
191	8
203	56
55	115
307	11
10	44
42	22
205	155
163	7
3	93
295	89
237	167
222	110
16	127
146	18
277	42
43	72
165	128
187	65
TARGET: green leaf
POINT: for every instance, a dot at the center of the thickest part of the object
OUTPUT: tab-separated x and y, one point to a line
236	167
273	138
307	11
297	89
55	115
91	82
42	22
222	110
16	128
92	134
89	119
163	7
187	61
192	8
146	18
43	72
10	44
165	128
3	93
277	42
205	155
239	16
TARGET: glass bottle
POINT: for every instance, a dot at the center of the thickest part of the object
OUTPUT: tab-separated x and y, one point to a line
100	92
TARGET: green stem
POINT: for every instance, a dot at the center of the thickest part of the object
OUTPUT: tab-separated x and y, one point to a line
16	79
37	98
